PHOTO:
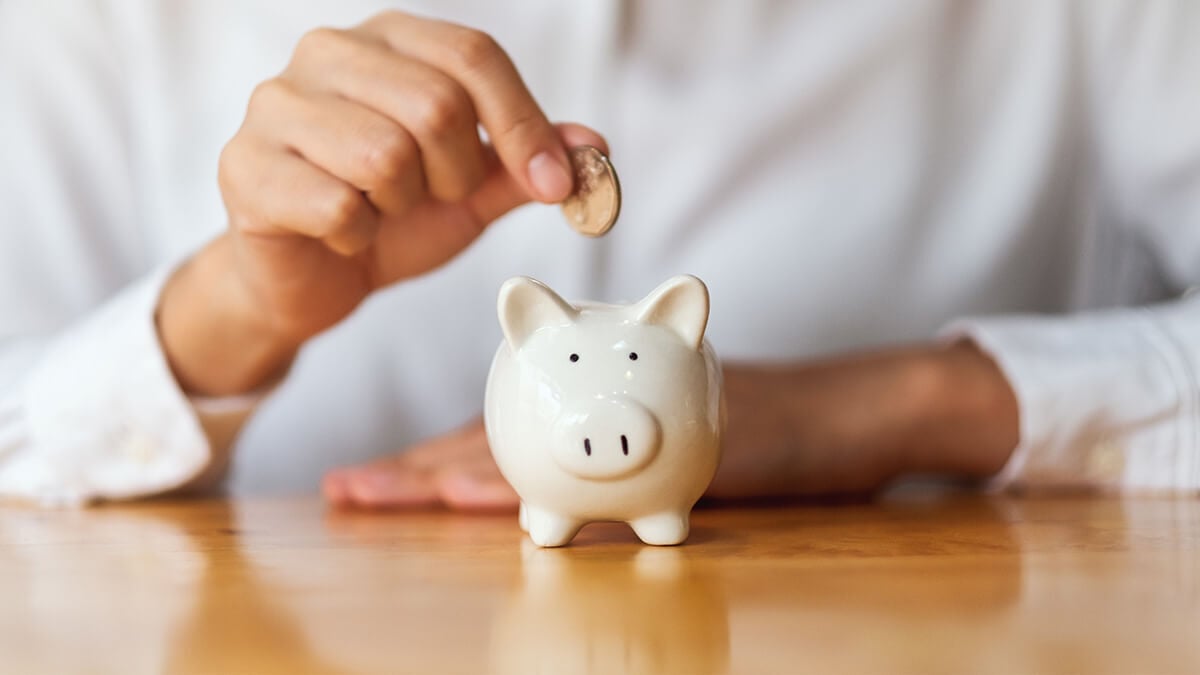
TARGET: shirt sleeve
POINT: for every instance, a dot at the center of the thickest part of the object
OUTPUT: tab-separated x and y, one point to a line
1110	398
88	406
1107	399
97	413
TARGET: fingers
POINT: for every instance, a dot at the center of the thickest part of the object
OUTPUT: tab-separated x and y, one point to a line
524	138
357	145
461	487
270	190
436	231
431	106
576	134
483	489
392	109
370	143
501	193
455	471
376	487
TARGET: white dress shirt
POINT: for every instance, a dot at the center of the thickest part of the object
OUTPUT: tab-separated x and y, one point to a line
843	175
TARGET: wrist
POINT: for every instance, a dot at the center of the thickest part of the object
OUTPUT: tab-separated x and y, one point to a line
215	339
963	418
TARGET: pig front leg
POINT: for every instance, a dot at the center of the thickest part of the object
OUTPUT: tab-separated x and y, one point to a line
549	529
662	529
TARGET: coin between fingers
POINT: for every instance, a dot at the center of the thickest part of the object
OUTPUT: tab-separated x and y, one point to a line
593	207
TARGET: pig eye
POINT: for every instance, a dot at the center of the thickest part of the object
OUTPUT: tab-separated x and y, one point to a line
574	358
633	356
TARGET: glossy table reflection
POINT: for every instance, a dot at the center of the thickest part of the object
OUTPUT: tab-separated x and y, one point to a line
918	583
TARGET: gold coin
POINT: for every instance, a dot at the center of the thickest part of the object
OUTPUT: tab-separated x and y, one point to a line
592	208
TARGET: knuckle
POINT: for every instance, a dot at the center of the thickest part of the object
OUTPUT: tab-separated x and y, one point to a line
340	209
227	164
321	40
349	242
387	17
231	167
442	109
239	184
525	125
387	157
270	94
472	49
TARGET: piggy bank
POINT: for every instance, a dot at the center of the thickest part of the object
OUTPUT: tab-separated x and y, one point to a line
601	412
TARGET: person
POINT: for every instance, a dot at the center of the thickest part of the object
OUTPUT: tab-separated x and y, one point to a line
949	238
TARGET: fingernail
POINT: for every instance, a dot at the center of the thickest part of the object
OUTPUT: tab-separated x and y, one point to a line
550	177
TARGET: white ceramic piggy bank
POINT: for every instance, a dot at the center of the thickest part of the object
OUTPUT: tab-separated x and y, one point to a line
605	412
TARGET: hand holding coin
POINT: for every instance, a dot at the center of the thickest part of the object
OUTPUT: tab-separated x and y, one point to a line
593	207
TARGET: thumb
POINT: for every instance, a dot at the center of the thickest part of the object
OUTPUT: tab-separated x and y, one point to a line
435	232
501	192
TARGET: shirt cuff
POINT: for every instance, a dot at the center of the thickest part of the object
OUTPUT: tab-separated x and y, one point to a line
1106	400
103	416
221	419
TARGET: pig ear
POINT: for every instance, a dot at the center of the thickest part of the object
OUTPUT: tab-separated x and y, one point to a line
526	305
680	304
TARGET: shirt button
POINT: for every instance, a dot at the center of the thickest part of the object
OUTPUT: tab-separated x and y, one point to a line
1106	461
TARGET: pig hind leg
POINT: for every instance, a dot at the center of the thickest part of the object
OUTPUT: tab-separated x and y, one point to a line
550	529
662	529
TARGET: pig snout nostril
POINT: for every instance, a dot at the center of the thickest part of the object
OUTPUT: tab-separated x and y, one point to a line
616	439
587	446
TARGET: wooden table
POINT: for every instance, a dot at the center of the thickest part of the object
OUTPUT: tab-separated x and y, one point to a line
914	583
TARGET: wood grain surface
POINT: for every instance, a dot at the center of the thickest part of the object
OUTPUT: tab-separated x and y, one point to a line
922	583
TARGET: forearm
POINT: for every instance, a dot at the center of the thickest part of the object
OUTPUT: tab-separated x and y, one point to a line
965	419
217	341
853	423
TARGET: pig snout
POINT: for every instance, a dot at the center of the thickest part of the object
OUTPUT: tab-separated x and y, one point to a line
607	439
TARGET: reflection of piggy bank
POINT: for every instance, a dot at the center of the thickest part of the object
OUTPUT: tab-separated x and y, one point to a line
653	612
605	412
